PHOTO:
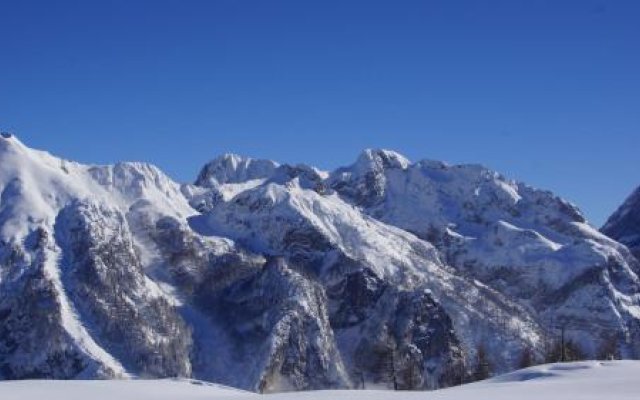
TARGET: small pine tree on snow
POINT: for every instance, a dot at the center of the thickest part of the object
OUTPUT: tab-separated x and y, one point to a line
483	367
571	351
610	349
527	358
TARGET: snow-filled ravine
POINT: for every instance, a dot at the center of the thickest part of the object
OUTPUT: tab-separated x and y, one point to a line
614	380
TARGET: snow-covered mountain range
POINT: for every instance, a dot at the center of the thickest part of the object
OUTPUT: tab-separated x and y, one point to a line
274	277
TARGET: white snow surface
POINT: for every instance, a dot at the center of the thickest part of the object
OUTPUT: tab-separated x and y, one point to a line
589	380
153	389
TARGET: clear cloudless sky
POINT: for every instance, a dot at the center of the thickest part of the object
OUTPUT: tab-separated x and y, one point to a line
547	92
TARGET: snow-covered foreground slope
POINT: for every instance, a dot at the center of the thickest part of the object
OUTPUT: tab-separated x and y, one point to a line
273	277
616	380
165	389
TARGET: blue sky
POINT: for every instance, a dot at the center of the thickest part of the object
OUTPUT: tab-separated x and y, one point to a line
547	92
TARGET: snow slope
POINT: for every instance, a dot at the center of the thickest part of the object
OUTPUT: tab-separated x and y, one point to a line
167	389
616	380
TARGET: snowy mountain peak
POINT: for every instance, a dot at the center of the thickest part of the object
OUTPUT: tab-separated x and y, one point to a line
365	181
9	143
378	159
624	224
232	168
33	186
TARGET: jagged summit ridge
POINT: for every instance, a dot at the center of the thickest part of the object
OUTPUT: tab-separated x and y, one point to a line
232	168
378	159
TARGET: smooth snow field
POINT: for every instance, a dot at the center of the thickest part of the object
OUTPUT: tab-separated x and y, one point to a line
569	381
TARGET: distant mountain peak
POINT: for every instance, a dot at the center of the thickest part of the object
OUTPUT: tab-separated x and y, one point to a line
381	158
624	224
232	168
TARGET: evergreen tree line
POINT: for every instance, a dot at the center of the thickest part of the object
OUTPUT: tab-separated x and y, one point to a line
402	369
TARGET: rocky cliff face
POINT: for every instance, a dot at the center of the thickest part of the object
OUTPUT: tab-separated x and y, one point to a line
34	341
105	281
624	224
273	277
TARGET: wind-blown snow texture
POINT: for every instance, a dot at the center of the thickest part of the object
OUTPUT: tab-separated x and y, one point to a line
274	277
617	380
